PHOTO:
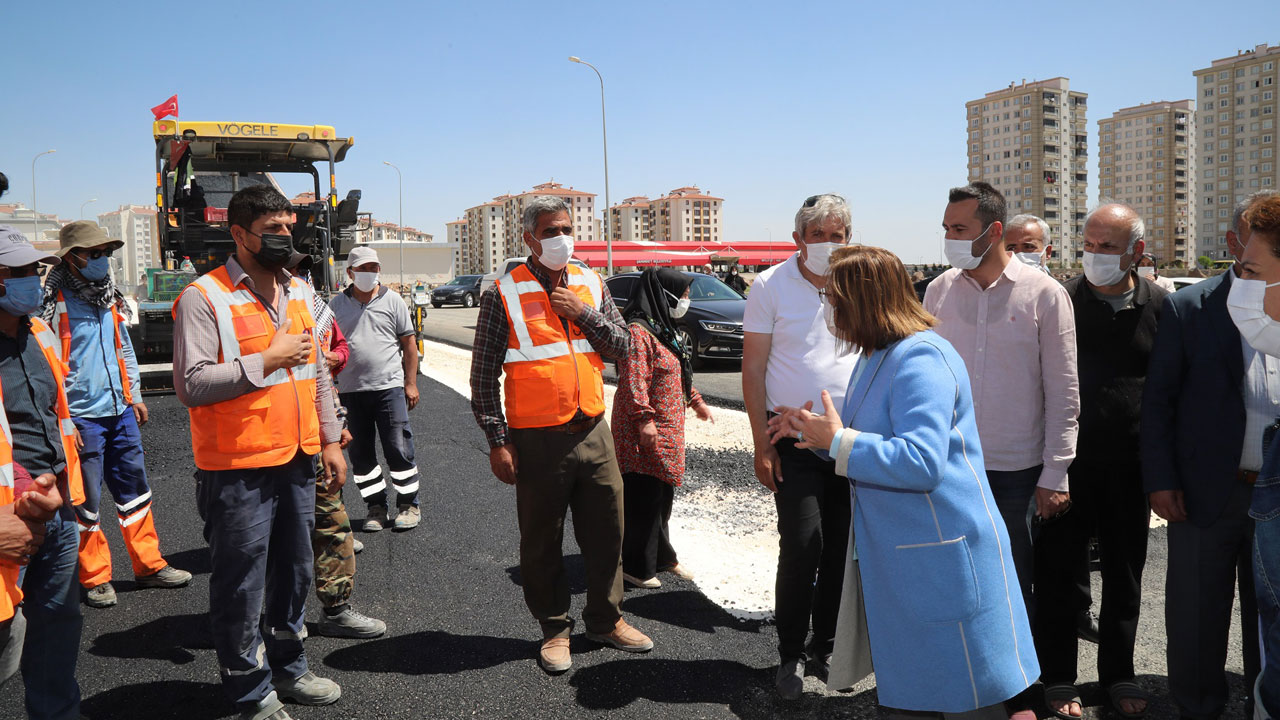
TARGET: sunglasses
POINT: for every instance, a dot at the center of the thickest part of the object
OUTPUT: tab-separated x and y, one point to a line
813	199
94	254
36	269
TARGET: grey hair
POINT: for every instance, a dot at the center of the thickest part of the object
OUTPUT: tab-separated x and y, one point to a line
539	206
1244	204
826	207
1024	219
1137	228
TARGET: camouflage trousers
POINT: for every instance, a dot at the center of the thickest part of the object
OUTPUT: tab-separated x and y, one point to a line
332	543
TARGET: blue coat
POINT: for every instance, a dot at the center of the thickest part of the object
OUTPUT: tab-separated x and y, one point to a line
945	617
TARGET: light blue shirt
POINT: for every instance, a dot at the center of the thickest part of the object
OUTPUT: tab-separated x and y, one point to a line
93	385
1261	388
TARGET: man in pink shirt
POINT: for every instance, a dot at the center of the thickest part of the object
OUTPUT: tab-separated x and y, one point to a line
1015	329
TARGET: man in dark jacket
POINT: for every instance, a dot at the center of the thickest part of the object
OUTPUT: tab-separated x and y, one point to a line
1116	313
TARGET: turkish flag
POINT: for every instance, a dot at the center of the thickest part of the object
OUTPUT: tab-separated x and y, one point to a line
166	108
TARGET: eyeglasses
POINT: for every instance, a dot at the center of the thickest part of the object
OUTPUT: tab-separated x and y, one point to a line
36	269
95	254
813	199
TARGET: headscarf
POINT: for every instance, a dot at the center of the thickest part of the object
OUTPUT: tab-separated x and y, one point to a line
650	307
102	293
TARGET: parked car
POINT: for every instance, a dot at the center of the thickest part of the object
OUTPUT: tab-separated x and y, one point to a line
510	264
463	290
1181	282
712	327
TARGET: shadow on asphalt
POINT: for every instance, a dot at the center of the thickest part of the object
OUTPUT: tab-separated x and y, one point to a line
161	699
170	638
574	569
449	654
688	609
195	561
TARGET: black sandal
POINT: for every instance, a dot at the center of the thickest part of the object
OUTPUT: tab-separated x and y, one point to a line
1128	690
1063	693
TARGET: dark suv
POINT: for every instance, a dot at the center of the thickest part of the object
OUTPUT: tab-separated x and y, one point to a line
713	325
463	290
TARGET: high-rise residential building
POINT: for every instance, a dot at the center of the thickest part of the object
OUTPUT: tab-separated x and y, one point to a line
485	247
379	231
1147	160
685	215
1237	149
135	225
1031	142
456	235
630	220
582	211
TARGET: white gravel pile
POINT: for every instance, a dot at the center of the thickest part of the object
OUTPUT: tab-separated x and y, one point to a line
723	524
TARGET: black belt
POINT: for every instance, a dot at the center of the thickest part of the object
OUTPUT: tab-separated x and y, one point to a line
577	425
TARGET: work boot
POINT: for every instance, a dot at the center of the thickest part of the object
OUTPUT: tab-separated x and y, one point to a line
790	678
356	546
167	577
100	596
376	519
269	708
408	517
345	622
308	690
554	655
624	637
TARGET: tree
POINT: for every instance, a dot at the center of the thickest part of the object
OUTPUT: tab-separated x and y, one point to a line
1205	261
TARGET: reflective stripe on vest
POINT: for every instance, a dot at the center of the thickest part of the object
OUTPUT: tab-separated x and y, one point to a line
50	345
10	593
64	330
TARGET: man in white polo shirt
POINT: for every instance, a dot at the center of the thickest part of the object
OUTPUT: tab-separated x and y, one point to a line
789	357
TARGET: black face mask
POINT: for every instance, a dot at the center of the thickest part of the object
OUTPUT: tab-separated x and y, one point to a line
275	250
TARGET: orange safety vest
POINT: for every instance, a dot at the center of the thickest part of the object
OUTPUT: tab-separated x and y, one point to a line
549	375
64	332
10	593
49	344
264	427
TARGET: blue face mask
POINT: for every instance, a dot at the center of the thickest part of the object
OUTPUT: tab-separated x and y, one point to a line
22	296
96	269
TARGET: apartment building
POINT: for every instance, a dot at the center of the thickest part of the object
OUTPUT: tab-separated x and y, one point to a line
630	220
1236	124
582	211
1030	141
135	225
378	232
1147	160
484	247
685	215
455	233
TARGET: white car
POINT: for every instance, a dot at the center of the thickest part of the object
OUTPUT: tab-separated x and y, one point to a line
510	264
1181	282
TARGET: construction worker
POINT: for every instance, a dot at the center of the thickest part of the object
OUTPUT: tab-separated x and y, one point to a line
87	310
43	440
261	405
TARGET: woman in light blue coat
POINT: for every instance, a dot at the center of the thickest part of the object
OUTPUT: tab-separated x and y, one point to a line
945	618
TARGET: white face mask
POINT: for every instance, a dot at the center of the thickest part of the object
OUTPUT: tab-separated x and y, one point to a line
365	281
1147	272
1103	270
556	252
818	256
682	306
1244	305
960	252
1035	260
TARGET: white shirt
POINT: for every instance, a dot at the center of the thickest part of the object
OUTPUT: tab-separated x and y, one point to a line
803	356
1261	389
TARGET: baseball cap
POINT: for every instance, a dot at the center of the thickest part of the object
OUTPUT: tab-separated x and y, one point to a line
15	251
360	255
84	234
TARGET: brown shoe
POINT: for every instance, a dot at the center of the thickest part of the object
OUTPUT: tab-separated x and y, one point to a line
554	655
624	637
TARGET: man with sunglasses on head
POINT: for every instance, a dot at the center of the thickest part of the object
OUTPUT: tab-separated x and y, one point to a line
261	402
42	440
788	358
87	311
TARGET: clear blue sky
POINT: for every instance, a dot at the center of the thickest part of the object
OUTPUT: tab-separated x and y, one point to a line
761	103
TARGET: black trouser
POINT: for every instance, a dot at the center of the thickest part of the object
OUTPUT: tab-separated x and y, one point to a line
813	528
1205	565
386	413
1107	496
646	541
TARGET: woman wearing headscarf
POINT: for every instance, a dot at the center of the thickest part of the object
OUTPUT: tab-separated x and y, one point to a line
655	385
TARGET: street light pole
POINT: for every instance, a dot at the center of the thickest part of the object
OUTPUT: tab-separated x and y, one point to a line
400	228
604	133
86	202
35	216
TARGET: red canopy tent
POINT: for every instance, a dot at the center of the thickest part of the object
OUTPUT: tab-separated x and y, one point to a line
681	254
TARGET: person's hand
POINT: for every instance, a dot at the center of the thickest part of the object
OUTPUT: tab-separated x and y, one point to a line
344	439
333	359
286	351
768	466
19	538
648	436
566	303
140	413
703	411
1169	505
411	394
503	463
810	430
335	465
41	502
1051	503
79	440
